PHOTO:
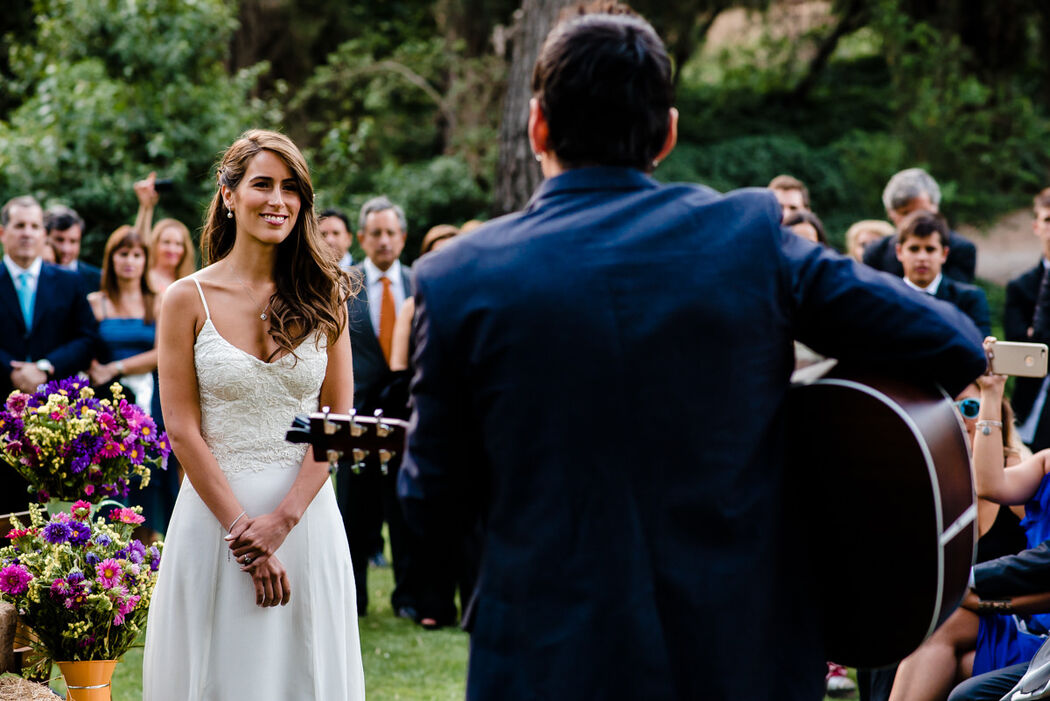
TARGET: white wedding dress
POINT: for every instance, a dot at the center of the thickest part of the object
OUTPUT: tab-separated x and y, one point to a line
206	640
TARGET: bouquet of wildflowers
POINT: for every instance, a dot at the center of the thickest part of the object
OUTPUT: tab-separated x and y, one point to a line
84	588
71	445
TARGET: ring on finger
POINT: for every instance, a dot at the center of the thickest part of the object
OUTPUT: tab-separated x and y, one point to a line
247	559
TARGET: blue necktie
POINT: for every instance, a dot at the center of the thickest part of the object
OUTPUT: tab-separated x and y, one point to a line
25	299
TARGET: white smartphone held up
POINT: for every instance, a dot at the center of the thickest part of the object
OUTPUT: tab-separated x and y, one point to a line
1021	359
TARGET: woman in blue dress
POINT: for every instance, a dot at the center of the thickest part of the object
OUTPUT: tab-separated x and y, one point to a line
975	639
125	307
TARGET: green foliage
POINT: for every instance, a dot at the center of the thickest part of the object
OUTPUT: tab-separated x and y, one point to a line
116	90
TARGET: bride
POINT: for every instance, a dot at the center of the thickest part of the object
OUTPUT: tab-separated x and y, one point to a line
255	598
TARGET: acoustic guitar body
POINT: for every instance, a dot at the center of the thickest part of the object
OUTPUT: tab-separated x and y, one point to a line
882	471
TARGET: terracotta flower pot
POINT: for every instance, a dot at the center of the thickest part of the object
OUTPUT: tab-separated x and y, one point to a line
89	680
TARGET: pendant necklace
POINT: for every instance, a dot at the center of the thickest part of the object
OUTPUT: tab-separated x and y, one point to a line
262	315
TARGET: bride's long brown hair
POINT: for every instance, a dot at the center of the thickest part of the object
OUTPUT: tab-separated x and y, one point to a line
311	289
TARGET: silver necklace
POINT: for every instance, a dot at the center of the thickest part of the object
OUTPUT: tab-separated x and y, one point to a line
262	315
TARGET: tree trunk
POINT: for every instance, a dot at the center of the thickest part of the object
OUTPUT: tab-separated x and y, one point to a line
518	174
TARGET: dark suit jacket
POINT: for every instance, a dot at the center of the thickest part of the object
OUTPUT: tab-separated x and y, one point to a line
970	299
961	264
90	277
601	377
371	372
1027	572
63	331
1021	294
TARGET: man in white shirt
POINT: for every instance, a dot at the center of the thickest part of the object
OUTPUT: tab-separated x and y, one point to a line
335	227
65	230
47	330
367	497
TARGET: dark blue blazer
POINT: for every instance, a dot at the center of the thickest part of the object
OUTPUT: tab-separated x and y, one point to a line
90	277
970	299
64	331
600	377
1018	317
371	372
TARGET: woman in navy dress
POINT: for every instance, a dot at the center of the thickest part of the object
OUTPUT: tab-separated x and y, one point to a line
125	308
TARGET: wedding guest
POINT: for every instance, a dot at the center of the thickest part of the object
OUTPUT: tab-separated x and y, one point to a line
170	245
792	194
47	330
125	308
807	225
862	234
335	227
65	230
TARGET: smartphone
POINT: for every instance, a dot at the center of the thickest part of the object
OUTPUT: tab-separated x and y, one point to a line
163	184
1021	359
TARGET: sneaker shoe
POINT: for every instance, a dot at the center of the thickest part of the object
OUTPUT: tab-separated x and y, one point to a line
838	683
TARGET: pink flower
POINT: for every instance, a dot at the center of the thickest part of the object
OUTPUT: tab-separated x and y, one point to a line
14	579
81	509
111	449
89	489
17	402
126	515
108	422
108	573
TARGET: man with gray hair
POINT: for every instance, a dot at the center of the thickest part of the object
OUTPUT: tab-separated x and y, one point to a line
908	191
385	284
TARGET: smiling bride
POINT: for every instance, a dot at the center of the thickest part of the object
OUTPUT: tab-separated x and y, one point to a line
255	598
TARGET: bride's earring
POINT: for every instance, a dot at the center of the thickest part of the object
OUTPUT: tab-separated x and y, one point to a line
229	212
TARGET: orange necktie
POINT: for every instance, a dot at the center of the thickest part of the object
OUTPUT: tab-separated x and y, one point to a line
387	313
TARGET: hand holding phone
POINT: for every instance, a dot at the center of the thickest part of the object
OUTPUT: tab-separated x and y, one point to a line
1020	359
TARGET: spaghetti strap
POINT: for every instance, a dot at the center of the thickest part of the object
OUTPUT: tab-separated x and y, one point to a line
207	314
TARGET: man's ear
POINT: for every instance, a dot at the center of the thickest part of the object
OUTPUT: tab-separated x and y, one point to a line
945	256
539	130
672	137
897	248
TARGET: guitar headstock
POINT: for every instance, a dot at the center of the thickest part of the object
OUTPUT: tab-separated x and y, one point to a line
340	438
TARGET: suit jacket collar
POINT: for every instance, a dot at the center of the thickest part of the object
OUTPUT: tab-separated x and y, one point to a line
592	178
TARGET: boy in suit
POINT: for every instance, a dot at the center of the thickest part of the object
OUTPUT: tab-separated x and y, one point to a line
922	249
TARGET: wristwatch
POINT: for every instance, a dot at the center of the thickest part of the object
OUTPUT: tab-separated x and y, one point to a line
44	365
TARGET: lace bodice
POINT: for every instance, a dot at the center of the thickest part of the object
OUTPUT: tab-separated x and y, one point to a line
247	405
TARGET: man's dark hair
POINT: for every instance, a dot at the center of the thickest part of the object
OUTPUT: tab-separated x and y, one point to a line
920	224
604	85
60	218
788	182
337	213
1042	200
811	219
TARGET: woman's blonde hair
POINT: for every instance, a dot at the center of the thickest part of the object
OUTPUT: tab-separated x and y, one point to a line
188	263
311	289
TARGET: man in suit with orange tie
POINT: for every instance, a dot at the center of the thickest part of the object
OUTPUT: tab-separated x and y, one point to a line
384	286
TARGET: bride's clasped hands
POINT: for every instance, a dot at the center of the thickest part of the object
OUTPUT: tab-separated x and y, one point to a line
254	542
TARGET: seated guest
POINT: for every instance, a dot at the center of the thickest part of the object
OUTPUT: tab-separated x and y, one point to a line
335	227
47	330
65	230
791	193
906	192
922	249
864	233
808	226
979	636
170	246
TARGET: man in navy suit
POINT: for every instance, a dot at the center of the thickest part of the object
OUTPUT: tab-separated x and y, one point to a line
47	329
385	284
601	378
909	191
65	229
922	248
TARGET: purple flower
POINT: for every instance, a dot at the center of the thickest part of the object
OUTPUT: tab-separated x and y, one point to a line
103	540
92	559
14	579
154	554
79	532
57	532
75	577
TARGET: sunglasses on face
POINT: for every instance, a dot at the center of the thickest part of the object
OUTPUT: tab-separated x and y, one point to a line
969	408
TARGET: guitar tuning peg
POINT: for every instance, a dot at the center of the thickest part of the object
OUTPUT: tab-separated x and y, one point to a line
356	429
333	460
329	427
383	429
385	456
359	460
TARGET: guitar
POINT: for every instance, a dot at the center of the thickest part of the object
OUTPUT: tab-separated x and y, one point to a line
349	438
884	492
